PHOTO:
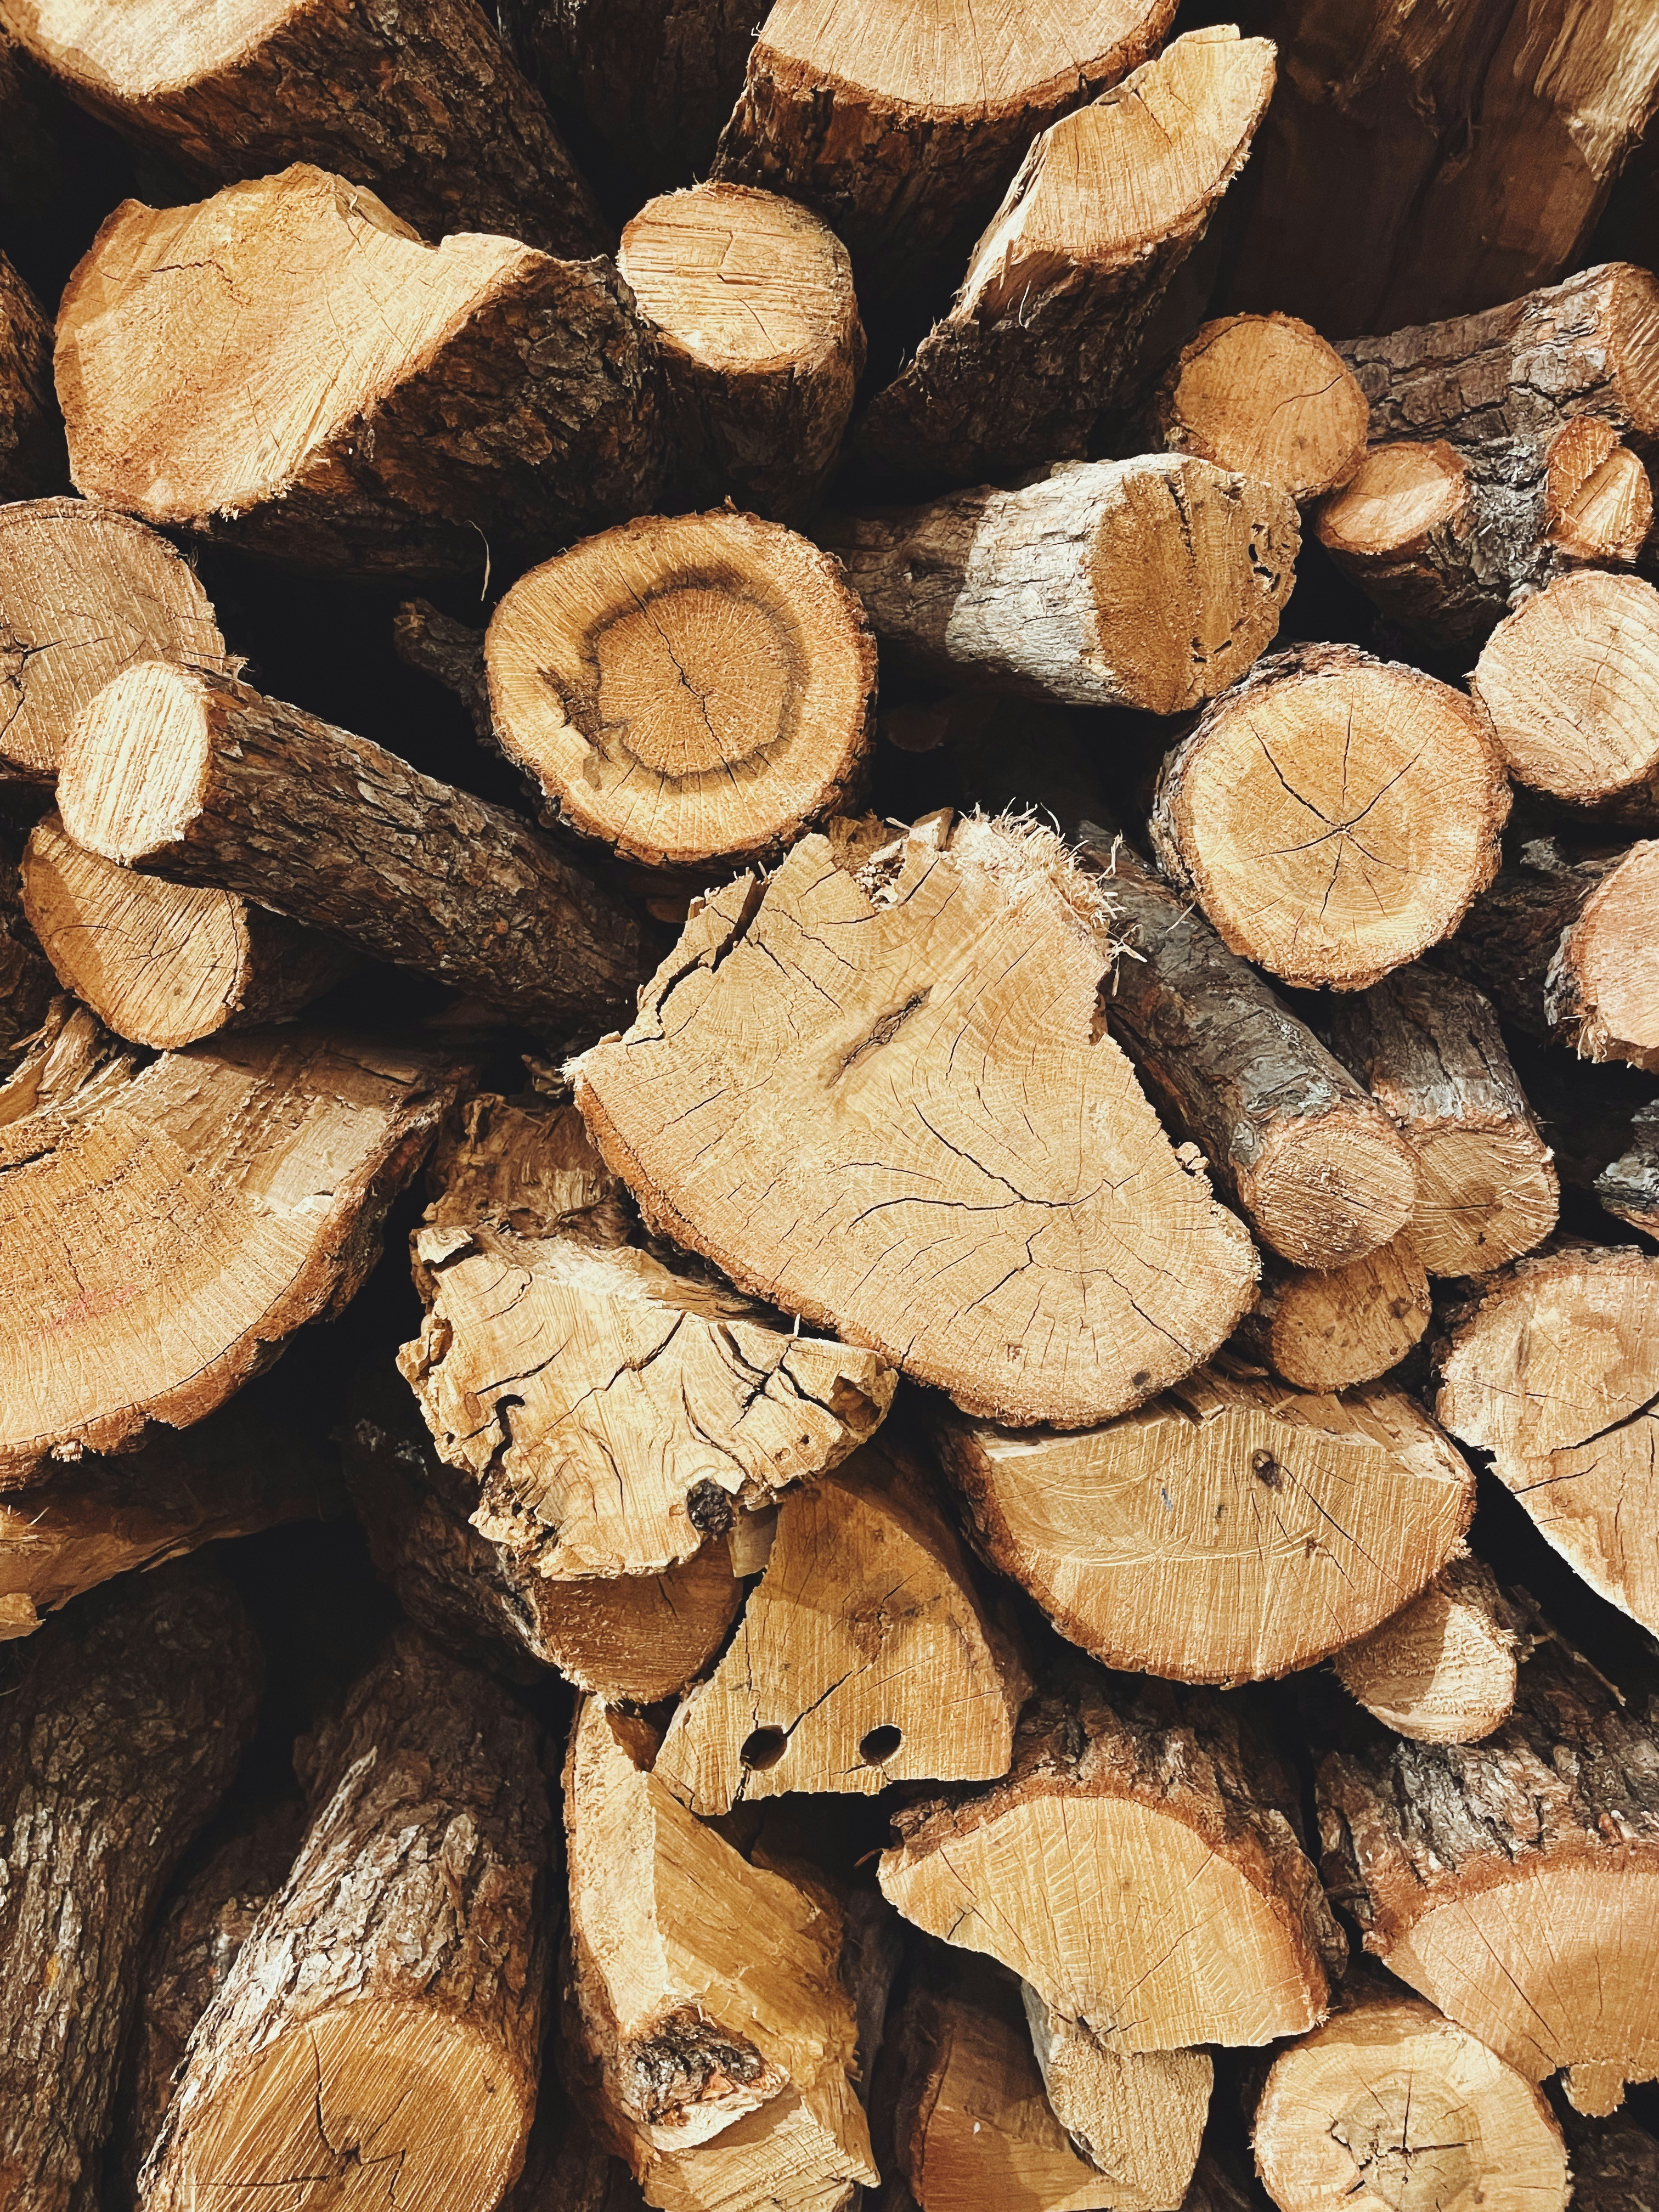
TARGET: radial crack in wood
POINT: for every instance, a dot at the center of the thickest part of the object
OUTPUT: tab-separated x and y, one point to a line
1137	2115
1443	1669
1267	395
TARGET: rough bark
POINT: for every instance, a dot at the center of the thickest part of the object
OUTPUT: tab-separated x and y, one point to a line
1151	583
1365	847
421	102
752	300
198	778
1429	1050
1230	1530
27	985
899	966
1443	1669
1615	2168
1136	2116
1514	1882
1328	1328
691	692
452	651
31	434
1267	395
385	2011
288	367
116	1744
1135	1819
1050	327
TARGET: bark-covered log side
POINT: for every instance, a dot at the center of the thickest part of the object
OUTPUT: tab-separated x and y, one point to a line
31	434
449	651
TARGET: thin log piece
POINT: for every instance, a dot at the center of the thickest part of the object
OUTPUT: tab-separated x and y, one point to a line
384	2015
425	106
1443	1669
1153	582
84	593
115	1746
1328	1328
1048	329
1088	1271
1137	2115
1333	815
163	1232
198	778
164	964
1231	1530
903	131
1137	1823
751	299
1390	2104
1429	1049
1605	1129
1598	499
866	1657
1515	1884
31	436
288	367
1267	395
691	692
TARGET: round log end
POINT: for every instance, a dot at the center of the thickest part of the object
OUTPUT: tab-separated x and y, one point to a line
1325	1193
1396	497
1334	1328
1266	395
1571	680
135	764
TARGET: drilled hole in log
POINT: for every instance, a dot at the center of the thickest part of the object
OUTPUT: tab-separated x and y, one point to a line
764	1747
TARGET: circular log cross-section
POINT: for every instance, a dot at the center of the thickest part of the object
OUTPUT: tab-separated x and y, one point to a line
1443	1669
1264	394
1333	815
687	690
1328	1329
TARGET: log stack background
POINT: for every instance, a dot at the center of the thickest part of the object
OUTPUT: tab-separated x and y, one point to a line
829	1107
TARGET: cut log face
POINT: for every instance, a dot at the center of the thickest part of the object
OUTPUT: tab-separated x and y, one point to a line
1389	2103
1135	1868
1151	583
865	1657
1231	1530
1027	1239
1443	1669
31	439
1333	815
85	593
1598	500
164	1234
1136	2116
1325	1330
1267	395
27	986
691	691
1552	1369
752	300
508	392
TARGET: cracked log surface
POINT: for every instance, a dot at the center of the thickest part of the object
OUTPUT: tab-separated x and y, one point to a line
379	2034
1230	1530
116	1743
1514	1882
1327	1329
866	1657
1333	815
1137	2115
1443	1669
1267	395
931	1154
288	367
199	779
31	436
1135	1867
1046	334
691	692
162	1232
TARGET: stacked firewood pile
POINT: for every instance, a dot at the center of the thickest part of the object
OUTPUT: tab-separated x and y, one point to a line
928	748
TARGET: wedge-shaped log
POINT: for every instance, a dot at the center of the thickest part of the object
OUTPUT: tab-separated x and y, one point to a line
1515	1885
1443	1669
865	1656
1135	1822
385	2011
31	437
288	366
1230	1530
1047	333
1326	1329
932	1157
1137	2115
1266	395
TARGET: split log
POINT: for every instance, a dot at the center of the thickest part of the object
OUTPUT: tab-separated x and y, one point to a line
115	1746
752	301
1231	1530
1327	1329
1552	1368
163	1231
526	1165
160	963
1049	328
903	133
691	692
1333	815
1136	1821
1267	395
1149	583
423	105
1006	1235
866	1657
70	1065
438	646
198	778
1443	1669
84	593
1137	2115
385	2012
1564	944
27	985
1391	2104
288	367
1515	1884
31	436
1429	1049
